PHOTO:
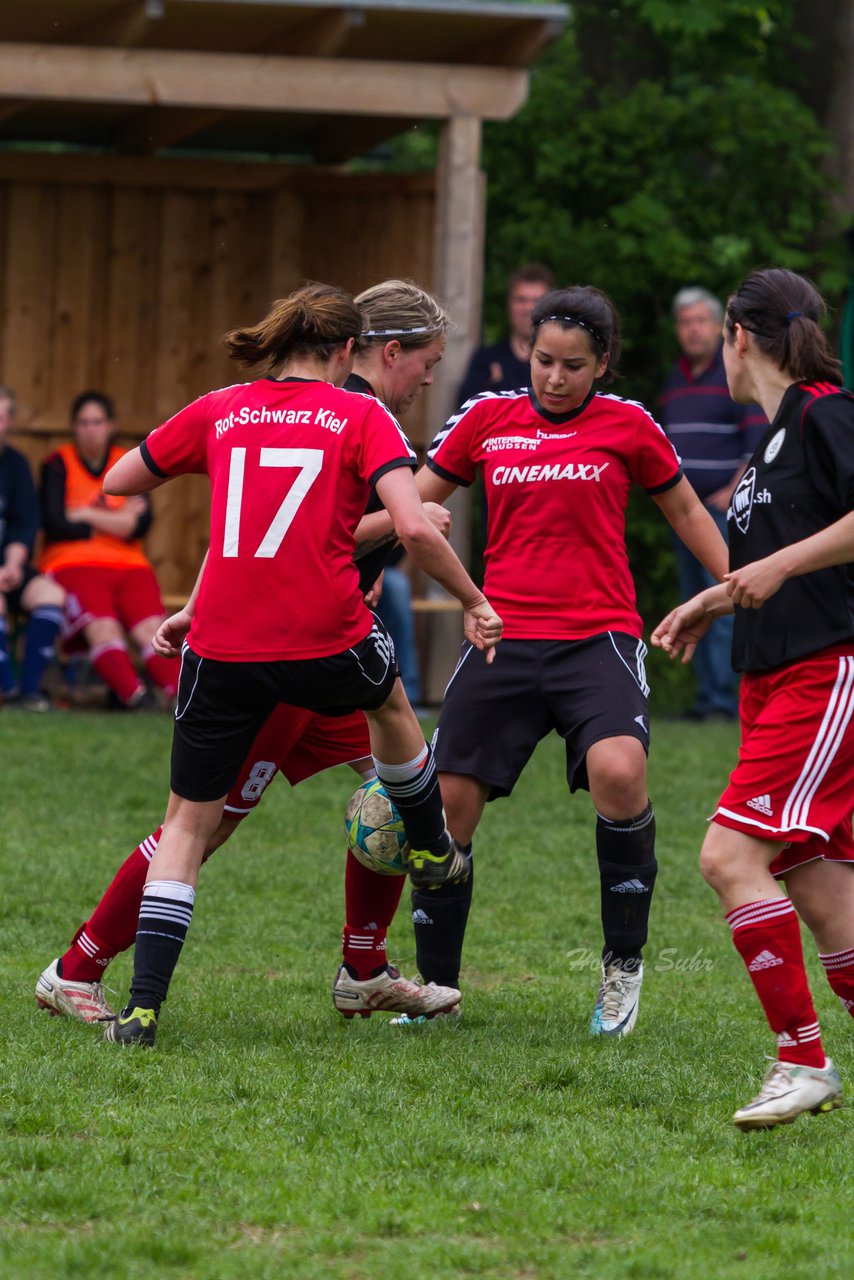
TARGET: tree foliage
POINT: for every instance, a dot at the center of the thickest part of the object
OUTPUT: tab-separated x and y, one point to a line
664	143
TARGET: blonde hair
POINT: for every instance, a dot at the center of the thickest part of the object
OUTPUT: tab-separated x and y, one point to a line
314	320
398	310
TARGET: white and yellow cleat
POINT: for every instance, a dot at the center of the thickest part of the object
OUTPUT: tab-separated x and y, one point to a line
616	1009
788	1090
389	992
84	1001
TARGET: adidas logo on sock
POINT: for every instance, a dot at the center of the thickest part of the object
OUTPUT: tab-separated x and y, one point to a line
762	804
630	886
765	960
421	917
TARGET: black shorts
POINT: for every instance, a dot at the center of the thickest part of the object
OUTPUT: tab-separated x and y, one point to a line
221	706
586	690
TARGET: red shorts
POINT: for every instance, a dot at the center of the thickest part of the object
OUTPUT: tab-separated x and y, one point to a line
103	591
794	780
299	744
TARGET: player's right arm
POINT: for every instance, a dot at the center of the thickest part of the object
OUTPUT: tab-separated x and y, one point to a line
173	631
432	554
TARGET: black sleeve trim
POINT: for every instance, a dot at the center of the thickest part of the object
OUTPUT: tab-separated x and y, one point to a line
145	454
57	527
668	484
447	475
392	466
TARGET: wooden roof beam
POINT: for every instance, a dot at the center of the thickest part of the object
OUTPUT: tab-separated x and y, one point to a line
124	26
320	37
519	46
254	82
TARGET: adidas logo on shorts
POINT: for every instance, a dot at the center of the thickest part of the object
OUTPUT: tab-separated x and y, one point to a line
630	886
762	804
421	917
765	960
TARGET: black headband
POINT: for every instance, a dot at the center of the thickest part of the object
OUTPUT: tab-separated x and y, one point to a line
582	324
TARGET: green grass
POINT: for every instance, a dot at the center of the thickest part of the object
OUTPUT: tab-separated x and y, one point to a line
267	1137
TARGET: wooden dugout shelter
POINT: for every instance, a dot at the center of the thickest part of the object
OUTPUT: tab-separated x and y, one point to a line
168	167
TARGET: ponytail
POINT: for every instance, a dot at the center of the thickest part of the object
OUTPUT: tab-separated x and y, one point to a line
314	320
782	311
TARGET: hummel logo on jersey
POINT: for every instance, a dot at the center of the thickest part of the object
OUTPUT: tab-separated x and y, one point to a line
762	804
630	886
572	471
421	917
765	960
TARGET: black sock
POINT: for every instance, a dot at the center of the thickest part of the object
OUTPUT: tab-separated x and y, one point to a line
414	788
439	919
164	917
627	870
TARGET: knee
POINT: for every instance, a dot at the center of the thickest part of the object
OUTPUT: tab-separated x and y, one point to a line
620	790
717	865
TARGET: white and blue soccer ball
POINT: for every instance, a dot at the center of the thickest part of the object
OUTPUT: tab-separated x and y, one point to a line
375	831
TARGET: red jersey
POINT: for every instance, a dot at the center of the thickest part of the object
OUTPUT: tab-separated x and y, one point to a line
291	464
557	490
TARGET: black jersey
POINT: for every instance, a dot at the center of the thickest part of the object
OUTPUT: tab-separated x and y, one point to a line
799	480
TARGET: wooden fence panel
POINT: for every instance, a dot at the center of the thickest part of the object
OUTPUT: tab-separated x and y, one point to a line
128	288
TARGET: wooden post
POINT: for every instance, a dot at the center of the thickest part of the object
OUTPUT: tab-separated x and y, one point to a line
458	284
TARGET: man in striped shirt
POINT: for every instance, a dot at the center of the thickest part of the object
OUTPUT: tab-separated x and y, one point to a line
714	437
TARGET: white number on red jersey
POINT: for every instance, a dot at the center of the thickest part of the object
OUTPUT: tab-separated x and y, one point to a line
308	461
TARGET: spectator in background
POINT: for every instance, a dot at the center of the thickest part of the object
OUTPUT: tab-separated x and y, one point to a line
22	590
395	609
714	437
94	551
506	365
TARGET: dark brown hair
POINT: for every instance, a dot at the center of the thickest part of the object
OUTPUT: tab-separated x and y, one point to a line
100	398
314	320
584	307
782	311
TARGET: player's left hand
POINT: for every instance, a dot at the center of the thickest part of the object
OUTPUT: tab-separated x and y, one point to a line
172	633
483	628
374	594
755	583
439	517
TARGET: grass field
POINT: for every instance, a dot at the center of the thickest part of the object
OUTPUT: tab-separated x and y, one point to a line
265	1136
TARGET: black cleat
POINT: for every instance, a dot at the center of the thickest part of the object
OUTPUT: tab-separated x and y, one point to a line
432	870
139	1026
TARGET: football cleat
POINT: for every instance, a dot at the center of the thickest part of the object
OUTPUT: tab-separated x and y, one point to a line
431	870
138	1026
84	1001
788	1090
421	1019
389	991
616	1009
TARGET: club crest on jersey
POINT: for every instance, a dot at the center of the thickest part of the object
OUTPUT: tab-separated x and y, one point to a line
774	445
742	500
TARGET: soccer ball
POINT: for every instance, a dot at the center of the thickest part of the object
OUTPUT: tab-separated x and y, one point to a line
375	830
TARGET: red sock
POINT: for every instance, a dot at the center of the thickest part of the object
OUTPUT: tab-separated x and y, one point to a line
112	663
370	901
112	925
163	672
768	938
839	967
